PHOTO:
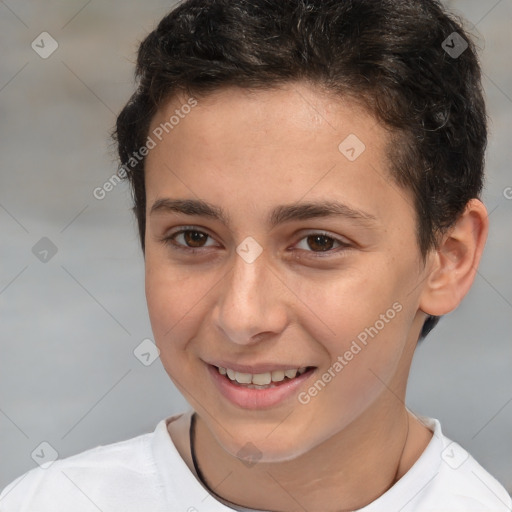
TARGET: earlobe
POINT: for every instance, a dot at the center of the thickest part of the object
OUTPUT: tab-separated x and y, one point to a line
453	265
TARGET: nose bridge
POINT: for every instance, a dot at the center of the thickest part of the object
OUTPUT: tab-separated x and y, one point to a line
247	305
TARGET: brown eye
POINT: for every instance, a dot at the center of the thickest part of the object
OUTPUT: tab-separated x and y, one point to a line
194	238
320	242
189	240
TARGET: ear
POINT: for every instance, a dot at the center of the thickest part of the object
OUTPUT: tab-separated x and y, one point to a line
453	265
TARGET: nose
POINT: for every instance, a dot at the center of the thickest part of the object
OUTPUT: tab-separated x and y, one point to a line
250	305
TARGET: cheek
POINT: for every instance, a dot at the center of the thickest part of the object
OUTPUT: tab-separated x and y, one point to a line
362	324
340	306
169	297
177	299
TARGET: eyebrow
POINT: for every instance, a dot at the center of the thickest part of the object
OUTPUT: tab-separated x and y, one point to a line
280	214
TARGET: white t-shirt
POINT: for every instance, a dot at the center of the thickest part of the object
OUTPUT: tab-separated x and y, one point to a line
147	474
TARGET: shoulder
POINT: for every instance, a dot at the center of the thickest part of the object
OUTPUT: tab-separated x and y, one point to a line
105	476
463	480
451	479
444	478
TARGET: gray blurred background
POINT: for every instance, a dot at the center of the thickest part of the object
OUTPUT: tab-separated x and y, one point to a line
70	321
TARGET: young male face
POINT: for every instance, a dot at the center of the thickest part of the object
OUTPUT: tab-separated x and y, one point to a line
255	155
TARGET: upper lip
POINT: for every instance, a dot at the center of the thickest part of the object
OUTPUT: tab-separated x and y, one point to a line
257	368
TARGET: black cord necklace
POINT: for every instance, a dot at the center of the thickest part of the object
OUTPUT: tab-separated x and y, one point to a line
192	432
199	473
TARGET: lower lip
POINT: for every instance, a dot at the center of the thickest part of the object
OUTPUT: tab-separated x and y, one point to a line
254	399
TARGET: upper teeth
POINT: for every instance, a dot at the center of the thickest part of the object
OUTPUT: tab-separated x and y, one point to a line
261	379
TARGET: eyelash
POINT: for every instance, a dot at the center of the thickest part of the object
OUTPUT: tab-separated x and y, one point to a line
170	241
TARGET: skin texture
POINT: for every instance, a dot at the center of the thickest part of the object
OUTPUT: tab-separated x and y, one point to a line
248	152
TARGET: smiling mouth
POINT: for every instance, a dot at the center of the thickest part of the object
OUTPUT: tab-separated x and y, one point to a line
262	380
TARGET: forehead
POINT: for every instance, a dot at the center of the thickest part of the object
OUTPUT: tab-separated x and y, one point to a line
291	112
268	147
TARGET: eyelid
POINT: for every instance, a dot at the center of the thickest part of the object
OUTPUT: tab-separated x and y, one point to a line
320	232
180	229
343	242
169	238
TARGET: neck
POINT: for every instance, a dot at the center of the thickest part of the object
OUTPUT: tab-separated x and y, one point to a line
346	472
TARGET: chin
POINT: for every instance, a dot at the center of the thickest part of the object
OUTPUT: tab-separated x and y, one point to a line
270	449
